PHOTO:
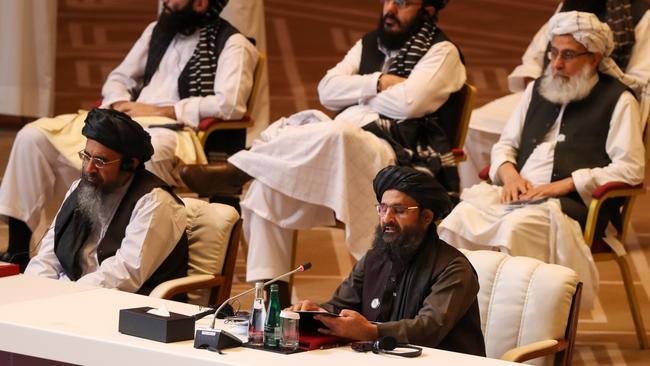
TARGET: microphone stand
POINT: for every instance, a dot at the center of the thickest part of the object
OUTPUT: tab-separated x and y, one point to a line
301	268
216	340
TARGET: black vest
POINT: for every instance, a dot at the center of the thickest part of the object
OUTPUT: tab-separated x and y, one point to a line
412	287
65	230
585	125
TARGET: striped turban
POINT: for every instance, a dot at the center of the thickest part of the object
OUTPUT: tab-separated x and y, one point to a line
595	35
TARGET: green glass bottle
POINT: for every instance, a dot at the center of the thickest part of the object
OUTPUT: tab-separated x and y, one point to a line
272	330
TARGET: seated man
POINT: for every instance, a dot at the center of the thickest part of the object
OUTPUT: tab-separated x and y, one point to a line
390	91
120	226
575	129
410	285
630	20
159	77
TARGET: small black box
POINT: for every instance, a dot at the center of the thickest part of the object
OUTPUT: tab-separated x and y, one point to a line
137	322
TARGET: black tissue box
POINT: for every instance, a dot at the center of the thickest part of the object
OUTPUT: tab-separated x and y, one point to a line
137	322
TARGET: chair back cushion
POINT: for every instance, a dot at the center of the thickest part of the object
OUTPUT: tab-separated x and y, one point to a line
521	300
208	234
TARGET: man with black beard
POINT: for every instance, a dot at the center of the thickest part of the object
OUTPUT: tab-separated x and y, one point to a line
576	128
410	285
390	93
120	226
189	65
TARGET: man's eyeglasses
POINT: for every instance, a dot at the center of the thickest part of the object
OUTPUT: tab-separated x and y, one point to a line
99	163
397	210
402	3
565	55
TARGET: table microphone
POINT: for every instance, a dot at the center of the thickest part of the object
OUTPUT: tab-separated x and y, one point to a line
215	339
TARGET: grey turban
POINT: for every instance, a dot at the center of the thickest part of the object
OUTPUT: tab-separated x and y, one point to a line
595	35
119	132
420	186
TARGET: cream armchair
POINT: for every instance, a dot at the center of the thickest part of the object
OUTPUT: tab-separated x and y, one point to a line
529	308
213	232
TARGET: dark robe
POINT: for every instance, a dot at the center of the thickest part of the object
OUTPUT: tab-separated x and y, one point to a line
432	303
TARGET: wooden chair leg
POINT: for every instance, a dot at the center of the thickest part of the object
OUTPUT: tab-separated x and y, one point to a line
632	300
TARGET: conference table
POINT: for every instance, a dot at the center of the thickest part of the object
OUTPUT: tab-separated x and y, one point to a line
77	324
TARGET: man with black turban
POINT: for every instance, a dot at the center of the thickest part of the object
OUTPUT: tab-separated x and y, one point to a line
163	80
120	226
410	285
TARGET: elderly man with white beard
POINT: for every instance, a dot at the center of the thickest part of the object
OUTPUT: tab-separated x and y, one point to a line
575	128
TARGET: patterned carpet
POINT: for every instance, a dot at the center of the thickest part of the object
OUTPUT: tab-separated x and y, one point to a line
305	38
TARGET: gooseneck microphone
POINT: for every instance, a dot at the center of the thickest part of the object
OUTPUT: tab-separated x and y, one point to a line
301	268
217	340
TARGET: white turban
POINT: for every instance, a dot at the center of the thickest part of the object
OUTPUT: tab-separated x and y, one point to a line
595	35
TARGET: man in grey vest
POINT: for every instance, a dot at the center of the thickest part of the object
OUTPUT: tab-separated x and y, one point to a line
576	128
410	285
390	92
188	65
120	226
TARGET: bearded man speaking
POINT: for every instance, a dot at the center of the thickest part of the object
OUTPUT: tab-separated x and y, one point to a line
410	285
120	226
576	128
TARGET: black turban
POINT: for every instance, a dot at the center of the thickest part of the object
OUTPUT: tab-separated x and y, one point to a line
420	186
117	131
438	4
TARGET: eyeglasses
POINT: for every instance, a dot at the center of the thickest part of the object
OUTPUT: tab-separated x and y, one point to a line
397	210
99	163
402	3
565	55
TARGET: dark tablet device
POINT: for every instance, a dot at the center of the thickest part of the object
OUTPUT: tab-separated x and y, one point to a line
309	325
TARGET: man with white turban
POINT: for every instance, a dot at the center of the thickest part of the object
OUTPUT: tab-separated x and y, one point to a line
575	128
630	23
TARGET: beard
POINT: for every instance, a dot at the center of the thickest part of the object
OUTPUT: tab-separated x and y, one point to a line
395	40
400	246
559	90
90	199
184	20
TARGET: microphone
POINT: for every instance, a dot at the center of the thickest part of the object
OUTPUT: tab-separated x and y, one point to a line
220	339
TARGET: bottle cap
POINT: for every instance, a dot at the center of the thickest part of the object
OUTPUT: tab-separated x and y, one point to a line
289	315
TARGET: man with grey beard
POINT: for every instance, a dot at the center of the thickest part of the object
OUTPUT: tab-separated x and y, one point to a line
575	128
120	226
410	285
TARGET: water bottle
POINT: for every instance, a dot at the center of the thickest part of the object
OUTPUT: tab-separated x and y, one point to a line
272	329
258	316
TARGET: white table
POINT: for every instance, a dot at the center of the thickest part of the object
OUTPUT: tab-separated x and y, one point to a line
81	328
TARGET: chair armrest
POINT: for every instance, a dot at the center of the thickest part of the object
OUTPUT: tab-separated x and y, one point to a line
617	189
534	350
209	123
168	289
484	174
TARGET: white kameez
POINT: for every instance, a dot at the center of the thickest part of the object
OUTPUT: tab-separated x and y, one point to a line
155	227
489	120
309	169
43	157
543	231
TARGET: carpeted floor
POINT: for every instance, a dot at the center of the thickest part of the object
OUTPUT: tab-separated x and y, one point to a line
305	38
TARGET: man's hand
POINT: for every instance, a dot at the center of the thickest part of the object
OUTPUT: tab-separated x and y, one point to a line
513	183
387	80
135	109
555	189
305	305
350	325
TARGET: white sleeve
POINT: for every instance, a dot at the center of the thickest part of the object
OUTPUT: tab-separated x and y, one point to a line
438	74
532	62
624	147
508	146
129	74
45	263
342	86
233	83
156	225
